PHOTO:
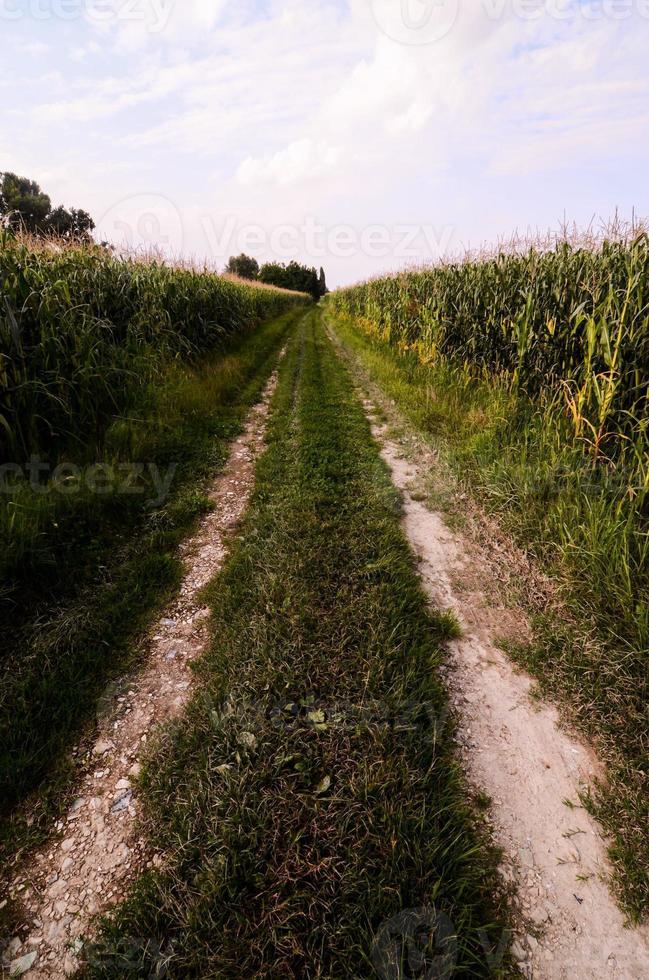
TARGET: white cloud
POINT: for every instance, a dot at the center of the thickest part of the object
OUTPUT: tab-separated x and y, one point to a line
142	23
302	160
33	49
84	51
279	111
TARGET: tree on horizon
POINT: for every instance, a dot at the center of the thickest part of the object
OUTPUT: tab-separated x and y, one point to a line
243	266
24	205
292	276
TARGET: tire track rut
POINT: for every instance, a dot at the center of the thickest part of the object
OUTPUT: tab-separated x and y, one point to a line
86	871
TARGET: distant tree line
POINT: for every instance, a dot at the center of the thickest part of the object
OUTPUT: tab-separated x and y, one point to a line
292	276
23	205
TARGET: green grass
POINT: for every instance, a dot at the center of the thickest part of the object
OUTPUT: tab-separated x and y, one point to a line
82	331
588	528
311	793
84	573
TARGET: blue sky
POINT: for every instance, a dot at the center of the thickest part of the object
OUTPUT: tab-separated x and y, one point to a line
362	135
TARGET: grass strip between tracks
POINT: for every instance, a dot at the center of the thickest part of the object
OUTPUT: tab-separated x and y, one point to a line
308	808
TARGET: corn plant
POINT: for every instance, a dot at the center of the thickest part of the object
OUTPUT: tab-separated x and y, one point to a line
563	333
82	330
569	320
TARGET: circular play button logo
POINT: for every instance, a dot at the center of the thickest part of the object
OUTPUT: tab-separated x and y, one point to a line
415	21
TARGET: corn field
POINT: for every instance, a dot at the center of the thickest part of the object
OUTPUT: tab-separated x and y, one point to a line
572	322
563	335
81	331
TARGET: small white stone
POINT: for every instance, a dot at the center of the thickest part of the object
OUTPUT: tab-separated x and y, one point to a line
22	965
102	746
122	801
13	946
518	952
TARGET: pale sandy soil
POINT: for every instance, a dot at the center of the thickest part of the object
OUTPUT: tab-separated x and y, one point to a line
515	751
98	852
